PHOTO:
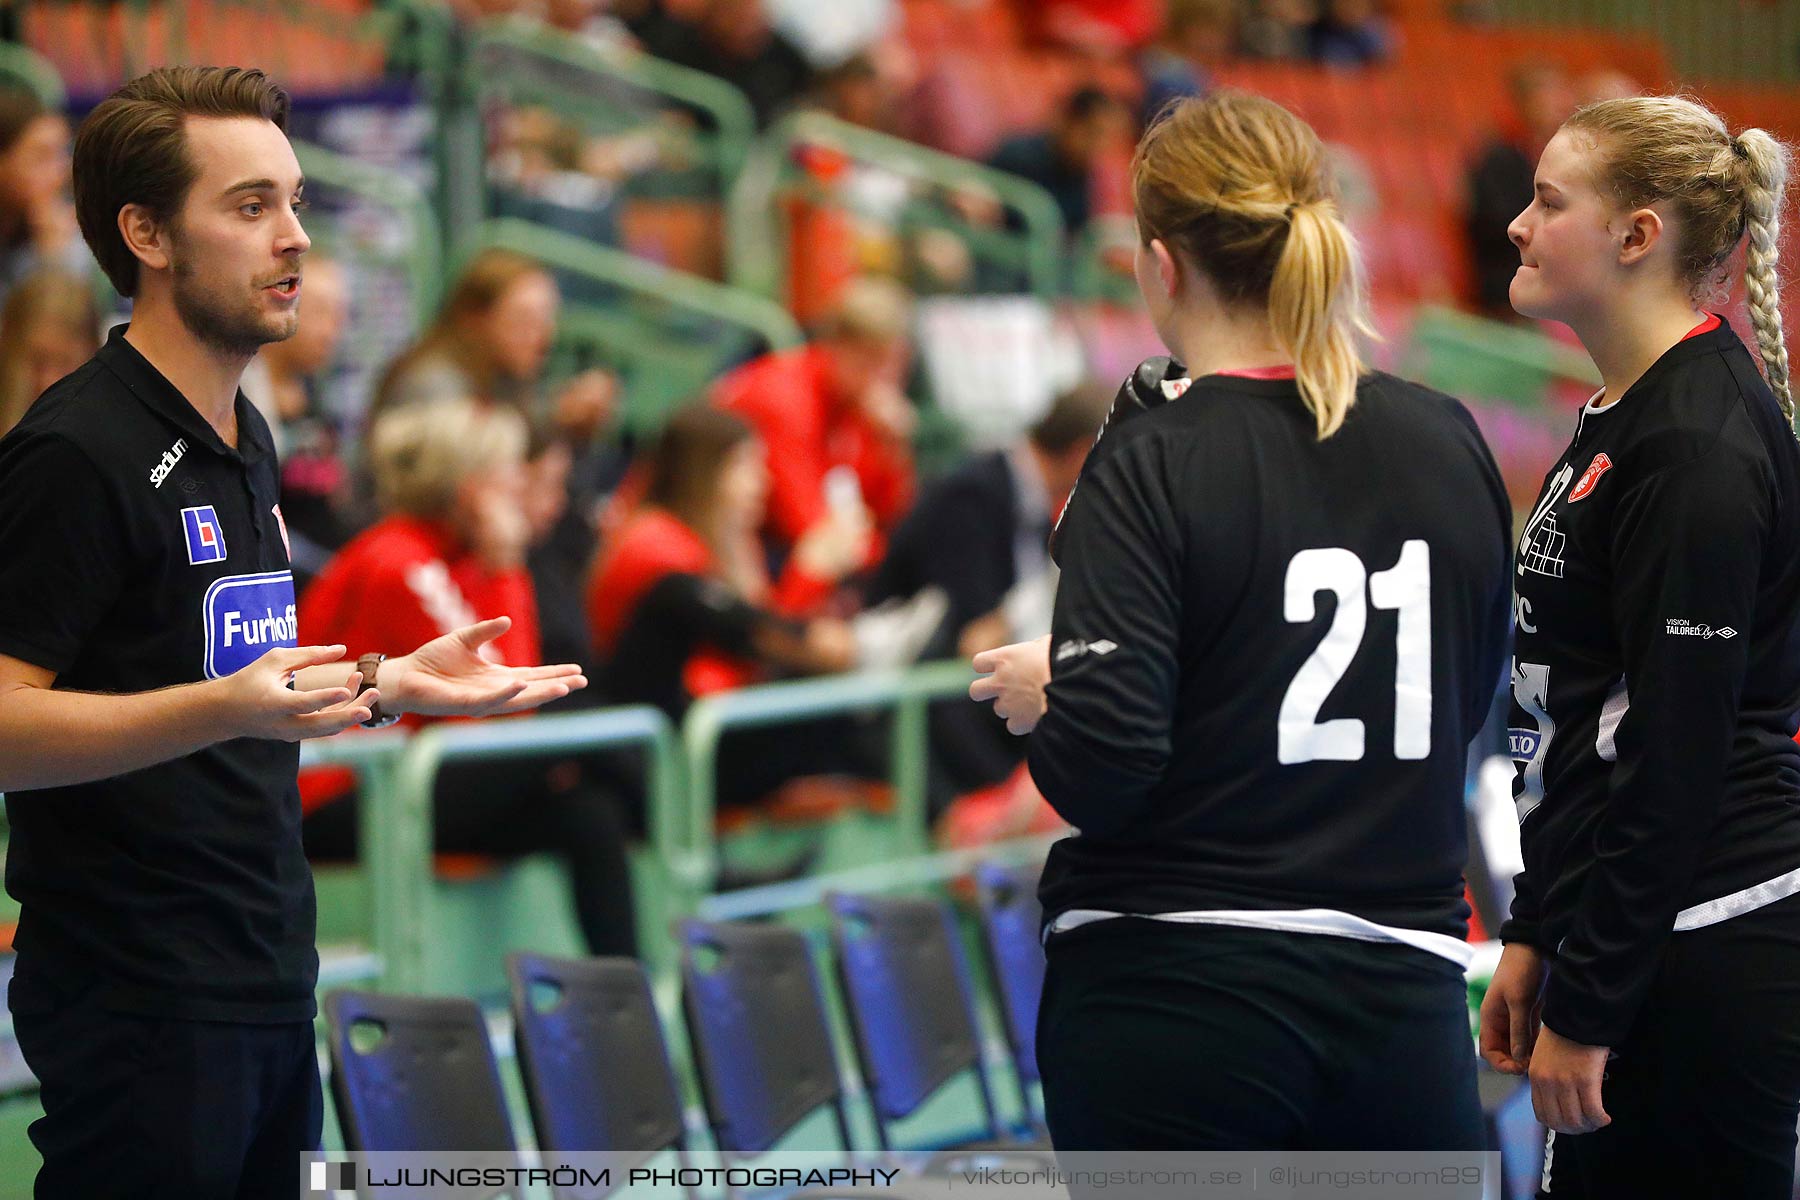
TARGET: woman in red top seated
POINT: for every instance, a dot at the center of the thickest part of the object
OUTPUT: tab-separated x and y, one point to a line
681	604
451	478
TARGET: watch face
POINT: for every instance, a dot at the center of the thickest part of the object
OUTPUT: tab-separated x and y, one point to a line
381	722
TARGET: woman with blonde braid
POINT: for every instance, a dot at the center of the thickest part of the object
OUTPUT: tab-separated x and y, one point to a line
1281	618
1651	979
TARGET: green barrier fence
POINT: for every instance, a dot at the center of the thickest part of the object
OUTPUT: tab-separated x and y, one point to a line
756	245
1475	358
398	776
410	242
907	694
21	66
609	90
406	871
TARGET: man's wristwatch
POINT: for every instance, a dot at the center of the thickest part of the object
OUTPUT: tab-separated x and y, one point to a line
368	664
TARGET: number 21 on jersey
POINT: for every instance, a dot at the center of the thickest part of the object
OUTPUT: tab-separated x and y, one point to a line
1405	587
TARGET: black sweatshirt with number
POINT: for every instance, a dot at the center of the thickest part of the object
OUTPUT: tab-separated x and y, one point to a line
1269	654
1656	680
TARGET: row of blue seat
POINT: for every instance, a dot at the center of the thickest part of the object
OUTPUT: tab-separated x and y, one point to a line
419	1074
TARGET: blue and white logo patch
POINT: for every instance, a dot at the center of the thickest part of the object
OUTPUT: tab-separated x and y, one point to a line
1524	743
246	616
205	536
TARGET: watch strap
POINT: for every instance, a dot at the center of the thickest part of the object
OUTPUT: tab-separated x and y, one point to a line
369	665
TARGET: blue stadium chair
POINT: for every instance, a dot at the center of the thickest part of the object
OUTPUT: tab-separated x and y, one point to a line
760	1034
1006	899
595	1064
912	1009
428	1081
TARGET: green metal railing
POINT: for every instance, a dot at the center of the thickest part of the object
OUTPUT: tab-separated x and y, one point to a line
532	64
405	869
666	332
24	67
418	252
1475	358
755	241
907	693
385	838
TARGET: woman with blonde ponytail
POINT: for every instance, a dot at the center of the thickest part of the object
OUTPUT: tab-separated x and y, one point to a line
1282	616
1650	984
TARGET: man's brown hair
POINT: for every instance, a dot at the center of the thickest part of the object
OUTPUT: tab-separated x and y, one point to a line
132	149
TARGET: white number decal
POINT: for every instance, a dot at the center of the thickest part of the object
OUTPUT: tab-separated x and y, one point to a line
1405	587
1301	737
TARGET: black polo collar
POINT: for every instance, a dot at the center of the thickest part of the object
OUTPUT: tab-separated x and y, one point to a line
154	390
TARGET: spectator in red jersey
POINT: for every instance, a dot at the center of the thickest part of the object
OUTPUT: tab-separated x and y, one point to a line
834	404
451	478
681	606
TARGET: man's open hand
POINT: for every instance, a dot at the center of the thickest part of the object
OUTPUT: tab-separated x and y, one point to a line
448	677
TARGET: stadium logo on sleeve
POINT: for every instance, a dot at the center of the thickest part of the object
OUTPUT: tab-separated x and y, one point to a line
1076	647
205	536
1590	478
246	616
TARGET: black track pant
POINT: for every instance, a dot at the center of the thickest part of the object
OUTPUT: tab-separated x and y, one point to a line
142	1108
523	807
1705	1090
1157	1036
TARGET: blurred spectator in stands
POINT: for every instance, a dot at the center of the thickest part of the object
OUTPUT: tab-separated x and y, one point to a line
859	217
834	417
995	573
732	39
1500	181
590	20
855	90
283	382
450	548
681	606
1605	83
1197	36
544	169
1106	30
1277	29
562	540
48	327
827	34
1349	33
37	218
473	12
1063	160
492	340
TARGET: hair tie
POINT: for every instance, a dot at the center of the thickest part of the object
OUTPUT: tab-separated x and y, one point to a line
1738	148
1289	214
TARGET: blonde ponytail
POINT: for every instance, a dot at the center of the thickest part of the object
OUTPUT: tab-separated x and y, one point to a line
1764	188
1315	278
1674	150
1241	186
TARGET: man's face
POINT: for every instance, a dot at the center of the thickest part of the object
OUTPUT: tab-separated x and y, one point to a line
235	247
322	321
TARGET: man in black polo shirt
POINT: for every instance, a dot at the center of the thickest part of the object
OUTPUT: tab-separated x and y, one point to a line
151	682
